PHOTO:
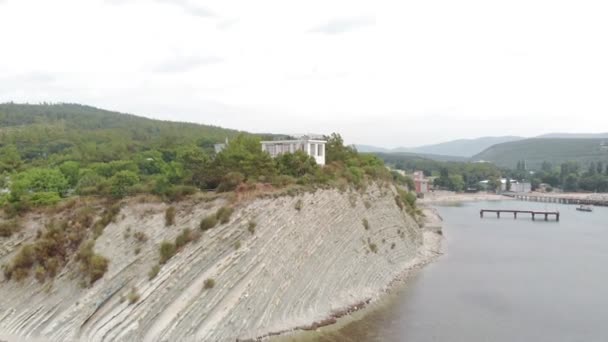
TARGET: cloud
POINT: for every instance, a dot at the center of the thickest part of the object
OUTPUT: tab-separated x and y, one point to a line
191	8
224	24
343	25
182	64
186	5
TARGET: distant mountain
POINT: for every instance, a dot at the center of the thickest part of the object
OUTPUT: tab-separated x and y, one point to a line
457	148
575	135
554	150
463	147
372	149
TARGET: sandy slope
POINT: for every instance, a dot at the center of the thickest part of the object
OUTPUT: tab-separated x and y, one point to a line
299	267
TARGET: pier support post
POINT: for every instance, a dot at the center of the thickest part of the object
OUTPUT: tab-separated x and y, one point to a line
532	216
498	214
515	214
546	217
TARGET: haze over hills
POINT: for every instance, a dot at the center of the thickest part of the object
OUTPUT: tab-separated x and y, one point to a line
459	148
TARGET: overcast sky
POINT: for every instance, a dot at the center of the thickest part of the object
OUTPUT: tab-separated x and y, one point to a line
387	73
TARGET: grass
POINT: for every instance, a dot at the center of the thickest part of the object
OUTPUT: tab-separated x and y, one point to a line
170	216
167	251
365	224
251	227
209	284
298	206
133	296
8	228
208	222
237	245
184	238
373	247
223	214
153	272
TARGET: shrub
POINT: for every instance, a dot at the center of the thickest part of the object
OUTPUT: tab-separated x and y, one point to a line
184	238
298	205
251	227
98	266
223	214
208	222
365	224
153	272
230	181
367	204
170	216
399	202
167	251
373	247
133	296
140	236
393	245
237	245
92	265
122	182
209	283
39	199
8	228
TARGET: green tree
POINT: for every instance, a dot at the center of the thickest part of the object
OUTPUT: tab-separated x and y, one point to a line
122	181
296	164
71	171
10	159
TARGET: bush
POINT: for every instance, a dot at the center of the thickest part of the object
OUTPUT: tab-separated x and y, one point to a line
92	265
208	222
40	199
251	227
209	283
298	205
223	214
8	228
133	296
184	238
170	216
373	247
98	266
121	183
365	224
230	181
153	272
140	236
167	251
237	245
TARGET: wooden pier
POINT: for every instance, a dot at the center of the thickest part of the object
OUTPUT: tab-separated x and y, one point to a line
546	214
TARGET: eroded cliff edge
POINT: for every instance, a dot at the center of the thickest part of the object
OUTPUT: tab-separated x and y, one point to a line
299	266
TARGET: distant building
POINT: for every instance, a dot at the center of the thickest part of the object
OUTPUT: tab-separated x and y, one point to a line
515	185
420	182
312	147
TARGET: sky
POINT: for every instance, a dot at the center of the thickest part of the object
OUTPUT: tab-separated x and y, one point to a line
384	73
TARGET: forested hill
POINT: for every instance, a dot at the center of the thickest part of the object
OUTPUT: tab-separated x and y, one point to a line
536	151
92	134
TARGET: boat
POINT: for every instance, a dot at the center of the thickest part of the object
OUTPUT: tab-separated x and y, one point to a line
584	208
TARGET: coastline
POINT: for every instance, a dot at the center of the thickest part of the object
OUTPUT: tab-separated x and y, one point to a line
438	197
428	252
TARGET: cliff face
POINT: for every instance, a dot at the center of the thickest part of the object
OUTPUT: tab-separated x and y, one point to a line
298	267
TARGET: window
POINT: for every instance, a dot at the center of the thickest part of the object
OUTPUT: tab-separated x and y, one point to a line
321	150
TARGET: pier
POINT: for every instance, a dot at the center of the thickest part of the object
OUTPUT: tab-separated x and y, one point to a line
546	214
559	200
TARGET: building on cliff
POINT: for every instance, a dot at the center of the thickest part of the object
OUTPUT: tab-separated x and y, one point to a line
312	147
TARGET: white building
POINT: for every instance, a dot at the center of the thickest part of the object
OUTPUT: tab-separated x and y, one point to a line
312	147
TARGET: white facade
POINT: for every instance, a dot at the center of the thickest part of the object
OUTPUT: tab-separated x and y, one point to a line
313	148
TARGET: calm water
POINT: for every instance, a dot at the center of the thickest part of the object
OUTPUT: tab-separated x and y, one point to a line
500	280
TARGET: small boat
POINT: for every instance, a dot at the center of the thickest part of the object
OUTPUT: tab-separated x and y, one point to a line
584	208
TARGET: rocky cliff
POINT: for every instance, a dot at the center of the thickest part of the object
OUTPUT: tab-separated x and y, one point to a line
308	257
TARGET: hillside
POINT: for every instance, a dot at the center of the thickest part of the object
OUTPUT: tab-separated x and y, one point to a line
268	268
535	151
94	134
